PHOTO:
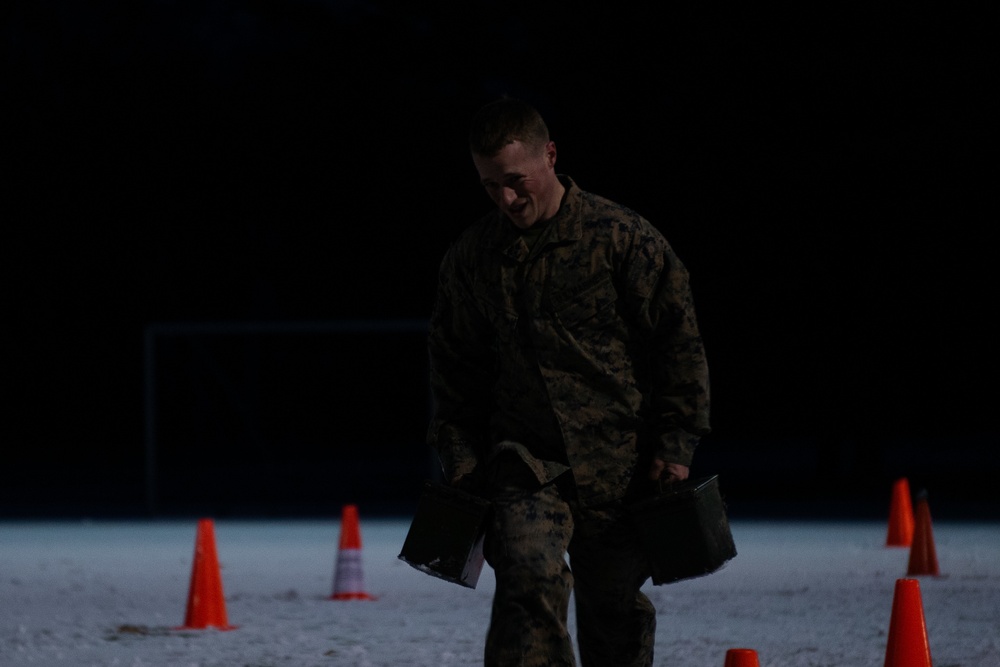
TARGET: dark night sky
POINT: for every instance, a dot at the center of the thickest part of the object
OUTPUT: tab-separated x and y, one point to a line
820	171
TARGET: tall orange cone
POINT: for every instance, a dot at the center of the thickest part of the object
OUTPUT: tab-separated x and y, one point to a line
923	556
206	606
348	578
741	657
900	532
908	646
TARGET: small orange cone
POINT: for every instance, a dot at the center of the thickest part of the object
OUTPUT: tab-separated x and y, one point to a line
741	657
900	515
348	577
923	556
907	645
206	606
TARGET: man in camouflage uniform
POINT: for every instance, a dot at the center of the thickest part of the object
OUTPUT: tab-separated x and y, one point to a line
566	368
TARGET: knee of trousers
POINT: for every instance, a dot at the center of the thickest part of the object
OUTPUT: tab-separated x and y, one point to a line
530	535
528	580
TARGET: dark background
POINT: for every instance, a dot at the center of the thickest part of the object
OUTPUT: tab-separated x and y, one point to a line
201	196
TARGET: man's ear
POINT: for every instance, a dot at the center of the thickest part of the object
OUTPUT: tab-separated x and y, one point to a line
550	154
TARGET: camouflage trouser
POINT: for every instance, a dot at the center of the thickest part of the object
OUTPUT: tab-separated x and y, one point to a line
533	528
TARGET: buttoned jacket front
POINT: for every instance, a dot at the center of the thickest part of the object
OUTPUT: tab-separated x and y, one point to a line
576	353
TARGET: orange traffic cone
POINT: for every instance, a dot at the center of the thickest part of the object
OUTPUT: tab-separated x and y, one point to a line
741	657
923	556
900	515
206	606
907	645
348	578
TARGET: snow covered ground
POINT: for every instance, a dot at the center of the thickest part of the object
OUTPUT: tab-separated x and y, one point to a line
800	593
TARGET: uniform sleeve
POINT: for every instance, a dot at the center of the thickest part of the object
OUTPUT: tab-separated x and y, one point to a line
461	369
659	292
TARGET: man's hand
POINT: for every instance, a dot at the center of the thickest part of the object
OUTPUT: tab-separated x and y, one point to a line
469	482
668	472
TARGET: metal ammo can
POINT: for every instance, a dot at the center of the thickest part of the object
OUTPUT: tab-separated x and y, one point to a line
684	531
445	539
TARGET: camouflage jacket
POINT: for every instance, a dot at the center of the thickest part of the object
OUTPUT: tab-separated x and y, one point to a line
580	353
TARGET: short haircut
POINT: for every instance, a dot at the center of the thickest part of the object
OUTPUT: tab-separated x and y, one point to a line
504	121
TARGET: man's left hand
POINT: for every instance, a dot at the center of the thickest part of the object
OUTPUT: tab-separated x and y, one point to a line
668	472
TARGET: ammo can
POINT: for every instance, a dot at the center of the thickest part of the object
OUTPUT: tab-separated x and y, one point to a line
445	539
684	531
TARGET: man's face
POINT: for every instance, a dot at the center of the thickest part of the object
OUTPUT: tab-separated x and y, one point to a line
521	180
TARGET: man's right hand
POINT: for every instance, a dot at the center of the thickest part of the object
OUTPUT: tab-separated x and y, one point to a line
668	472
469	482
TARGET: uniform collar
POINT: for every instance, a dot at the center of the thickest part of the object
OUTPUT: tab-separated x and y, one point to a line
563	227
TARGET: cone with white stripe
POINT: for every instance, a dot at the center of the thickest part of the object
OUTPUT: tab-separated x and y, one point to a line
348	576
